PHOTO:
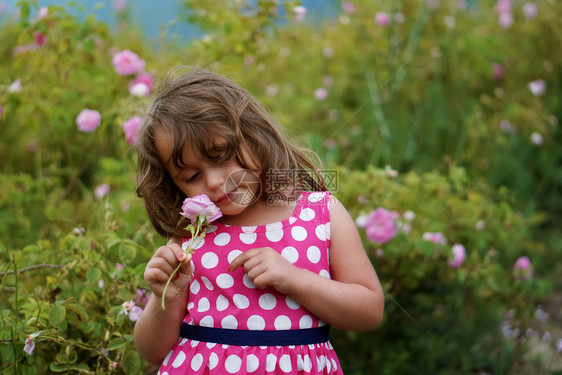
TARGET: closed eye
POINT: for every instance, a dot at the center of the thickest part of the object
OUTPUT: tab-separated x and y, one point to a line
192	178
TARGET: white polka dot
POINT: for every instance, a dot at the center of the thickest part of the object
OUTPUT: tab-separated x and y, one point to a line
307	363
222	239
292	220
313	254
300	363
252	363
324	273
229	322
307	214
298	233
180	359
321	232
321	362
194	287
256	323
248	282
197	362
267	301
182	342
305	322
285	363
251	229
213	361
207	283
203	305
291	254
209	260
293	305
192	263
211	345
212	228
274	235
328	229
222	303
270	362
165	362
328	365
334	364
225	281
194	343
194	243
233	254
207	321
233	364
282	322
248	238
190	306
241	301
315	197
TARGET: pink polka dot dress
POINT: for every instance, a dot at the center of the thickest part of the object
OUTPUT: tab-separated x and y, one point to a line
229	303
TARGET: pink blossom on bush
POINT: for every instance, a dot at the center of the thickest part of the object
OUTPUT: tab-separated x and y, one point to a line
505	20
522	268
131	310
29	346
382	19
321	93
348	7
381	225
42	13
1	110
498	71
537	87
40	39
131	129
88	120
503	6
102	190
537	139
459	255
435	237
147	81
3	7
300	13
127	63
530	10
15	86
119	5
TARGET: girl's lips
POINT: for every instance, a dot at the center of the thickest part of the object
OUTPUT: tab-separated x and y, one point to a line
223	199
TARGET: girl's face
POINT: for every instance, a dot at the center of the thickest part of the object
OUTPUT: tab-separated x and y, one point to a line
230	186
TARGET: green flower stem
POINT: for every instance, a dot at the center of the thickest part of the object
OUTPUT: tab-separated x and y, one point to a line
187	251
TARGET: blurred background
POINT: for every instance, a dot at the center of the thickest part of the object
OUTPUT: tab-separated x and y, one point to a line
440	117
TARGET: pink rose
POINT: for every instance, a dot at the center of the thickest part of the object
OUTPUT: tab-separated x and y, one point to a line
381	225
382	19
144	79
459	255
348	7
29	345
102	190
200	205
537	87
321	94
88	120
435	237
127	63
40	39
522	268
131	129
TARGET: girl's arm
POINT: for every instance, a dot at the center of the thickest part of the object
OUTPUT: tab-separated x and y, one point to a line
352	300
157	330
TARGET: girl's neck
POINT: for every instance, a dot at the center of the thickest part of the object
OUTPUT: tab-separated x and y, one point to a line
261	213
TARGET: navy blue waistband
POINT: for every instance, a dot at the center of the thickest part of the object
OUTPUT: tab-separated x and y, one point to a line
242	337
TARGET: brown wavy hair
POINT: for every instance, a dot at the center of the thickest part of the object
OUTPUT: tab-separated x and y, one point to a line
198	105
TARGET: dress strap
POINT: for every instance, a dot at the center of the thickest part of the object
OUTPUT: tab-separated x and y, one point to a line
241	337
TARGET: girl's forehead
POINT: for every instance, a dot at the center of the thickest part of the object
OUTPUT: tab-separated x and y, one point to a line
168	147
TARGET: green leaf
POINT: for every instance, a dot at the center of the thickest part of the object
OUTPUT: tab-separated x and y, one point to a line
116	344
131	362
57	314
79	310
127	252
93	275
58	367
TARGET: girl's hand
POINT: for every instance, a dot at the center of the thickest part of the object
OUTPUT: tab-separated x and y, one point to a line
266	267
162	265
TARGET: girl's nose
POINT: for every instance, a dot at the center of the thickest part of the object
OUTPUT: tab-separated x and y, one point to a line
214	178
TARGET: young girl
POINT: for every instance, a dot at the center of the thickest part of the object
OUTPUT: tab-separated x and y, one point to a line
283	264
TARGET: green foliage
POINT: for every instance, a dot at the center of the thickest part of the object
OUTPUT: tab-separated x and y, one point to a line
419	95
